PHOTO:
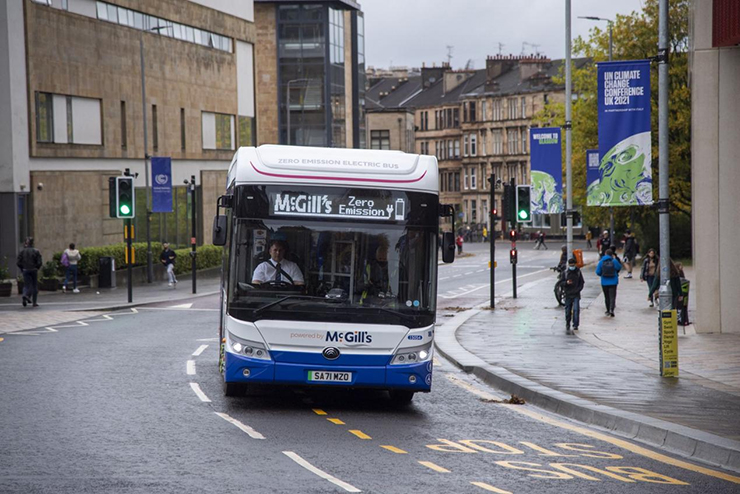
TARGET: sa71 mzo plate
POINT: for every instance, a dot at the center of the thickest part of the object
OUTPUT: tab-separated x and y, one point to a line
329	376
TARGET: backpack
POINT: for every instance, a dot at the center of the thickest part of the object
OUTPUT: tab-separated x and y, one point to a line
65	260
607	268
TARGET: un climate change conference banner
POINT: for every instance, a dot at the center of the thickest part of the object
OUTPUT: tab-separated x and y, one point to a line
592	174
161	185
625	174
546	158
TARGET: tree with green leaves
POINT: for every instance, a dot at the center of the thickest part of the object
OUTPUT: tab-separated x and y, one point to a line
635	37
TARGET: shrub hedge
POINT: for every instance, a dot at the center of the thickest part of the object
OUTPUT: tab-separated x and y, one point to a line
209	256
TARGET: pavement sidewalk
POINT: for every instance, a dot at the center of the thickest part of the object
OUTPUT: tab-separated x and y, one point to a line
608	373
59	307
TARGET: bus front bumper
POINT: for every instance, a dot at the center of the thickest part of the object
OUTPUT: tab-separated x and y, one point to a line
412	377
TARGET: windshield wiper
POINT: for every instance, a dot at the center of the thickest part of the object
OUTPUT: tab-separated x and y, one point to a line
403	316
279	301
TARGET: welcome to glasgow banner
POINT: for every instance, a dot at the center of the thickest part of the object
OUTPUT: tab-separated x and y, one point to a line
625	173
161	184
546	158
592	172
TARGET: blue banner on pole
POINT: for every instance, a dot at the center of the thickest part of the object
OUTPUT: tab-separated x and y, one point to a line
592	176
625	152
161	184
546	158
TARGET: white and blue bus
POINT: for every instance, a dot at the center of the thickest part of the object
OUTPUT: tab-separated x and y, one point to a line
330	268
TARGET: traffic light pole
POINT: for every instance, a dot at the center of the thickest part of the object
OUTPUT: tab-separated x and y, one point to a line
193	224
129	272
492	236
513	254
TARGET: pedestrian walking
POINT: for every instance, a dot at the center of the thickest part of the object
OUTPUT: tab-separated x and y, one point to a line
167	258
541	236
605	243
589	235
70	258
630	252
650	266
485	234
29	262
572	282
608	269
459	242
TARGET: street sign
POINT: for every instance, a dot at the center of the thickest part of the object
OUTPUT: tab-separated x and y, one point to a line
668	343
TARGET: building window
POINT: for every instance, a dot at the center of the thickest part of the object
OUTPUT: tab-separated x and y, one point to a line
512	105
457	181
246	131
44	118
457	148
465	112
473	145
124	137
465	178
155	129
144	22
380	139
182	129
472	111
466	212
473	211
483	150
483	109
524	107
450	184
497	142
524	141
496	109
473	181
218	131
456	117
466	146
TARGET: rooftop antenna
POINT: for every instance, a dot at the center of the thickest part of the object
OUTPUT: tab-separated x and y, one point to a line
500	47
449	54
533	45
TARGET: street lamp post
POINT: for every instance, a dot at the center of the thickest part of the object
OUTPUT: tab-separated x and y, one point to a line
287	105
149	268
611	25
568	136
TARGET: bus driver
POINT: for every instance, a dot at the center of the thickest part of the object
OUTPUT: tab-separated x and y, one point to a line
277	268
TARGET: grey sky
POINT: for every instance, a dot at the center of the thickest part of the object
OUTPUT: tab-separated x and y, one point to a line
409	32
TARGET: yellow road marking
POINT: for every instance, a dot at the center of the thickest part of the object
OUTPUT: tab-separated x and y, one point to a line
360	434
524	410
394	449
2	339
434	467
490	488
319	411
336	421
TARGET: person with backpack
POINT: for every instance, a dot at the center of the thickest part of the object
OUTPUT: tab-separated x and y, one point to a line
572	282
29	262
70	258
608	269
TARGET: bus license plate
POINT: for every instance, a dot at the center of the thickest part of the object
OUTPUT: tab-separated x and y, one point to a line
331	377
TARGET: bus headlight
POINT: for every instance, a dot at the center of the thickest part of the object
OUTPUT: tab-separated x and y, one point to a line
251	349
412	355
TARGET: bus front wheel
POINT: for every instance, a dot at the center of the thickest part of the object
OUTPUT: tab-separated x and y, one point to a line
401	397
234	389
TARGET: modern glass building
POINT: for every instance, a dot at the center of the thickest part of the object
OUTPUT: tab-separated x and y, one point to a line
315	52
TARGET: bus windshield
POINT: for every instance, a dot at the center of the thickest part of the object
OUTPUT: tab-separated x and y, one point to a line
333	271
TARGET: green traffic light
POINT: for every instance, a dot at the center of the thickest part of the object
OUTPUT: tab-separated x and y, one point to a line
125	209
523	214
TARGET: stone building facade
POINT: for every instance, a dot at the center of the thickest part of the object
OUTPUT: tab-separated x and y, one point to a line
71	111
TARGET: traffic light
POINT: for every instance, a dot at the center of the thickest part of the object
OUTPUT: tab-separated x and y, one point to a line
125	197
509	203
513	256
513	235
494	213
523	203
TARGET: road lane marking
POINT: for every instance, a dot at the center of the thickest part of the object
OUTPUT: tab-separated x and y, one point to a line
434	466
52	330
175	309
199	350
344	485
181	306
394	449
251	432
207	339
488	285
199	393
490	488
319	411
336	421
359	434
621	443
190	368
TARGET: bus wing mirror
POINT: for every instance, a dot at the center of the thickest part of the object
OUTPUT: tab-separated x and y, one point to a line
448	247
219	229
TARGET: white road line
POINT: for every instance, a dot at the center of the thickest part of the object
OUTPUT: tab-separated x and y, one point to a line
196	389
488	285
190	368
457	276
52	330
252	433
172	308
181	306
199	350
320	473
207	339
440	279
469	272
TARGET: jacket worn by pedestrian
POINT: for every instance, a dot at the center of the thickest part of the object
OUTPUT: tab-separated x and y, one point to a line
609	280
29	259
630	247
168	257
644	272
572	282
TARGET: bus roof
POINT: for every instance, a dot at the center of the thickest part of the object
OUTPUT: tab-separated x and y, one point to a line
272	164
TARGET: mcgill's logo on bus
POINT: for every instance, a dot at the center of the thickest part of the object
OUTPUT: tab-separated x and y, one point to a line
349	337
302	203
